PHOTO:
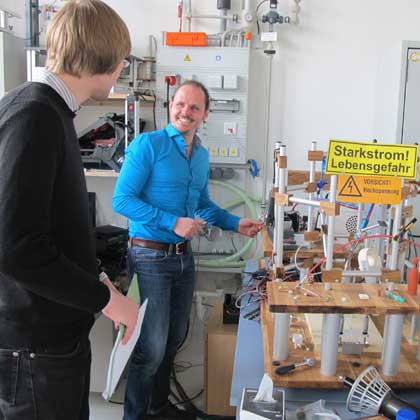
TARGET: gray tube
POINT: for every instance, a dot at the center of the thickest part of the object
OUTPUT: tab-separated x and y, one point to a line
329	344
281	336
392	343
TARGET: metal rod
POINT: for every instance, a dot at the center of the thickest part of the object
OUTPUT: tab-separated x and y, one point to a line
188	16
267	132
312	169
331	322
223	22
279	222
276	184
281	321
331	224
275	166
312	203
222	17
360	209
32	23
296	188
358	273
393	323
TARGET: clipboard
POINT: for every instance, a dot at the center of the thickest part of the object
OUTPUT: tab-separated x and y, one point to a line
121	353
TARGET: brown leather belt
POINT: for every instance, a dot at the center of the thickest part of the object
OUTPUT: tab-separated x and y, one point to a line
178	248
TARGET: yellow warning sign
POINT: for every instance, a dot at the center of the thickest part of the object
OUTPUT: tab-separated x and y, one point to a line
357	158
369	189
187	58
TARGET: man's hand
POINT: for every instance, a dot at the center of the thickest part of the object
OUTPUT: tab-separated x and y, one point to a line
121	310
110	285
187	227
249	227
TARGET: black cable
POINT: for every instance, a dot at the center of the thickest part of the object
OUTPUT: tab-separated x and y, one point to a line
116	402
188	404
259	4
409	249
410	235
256	12
316	221
154	110
167	101
191	399
185	336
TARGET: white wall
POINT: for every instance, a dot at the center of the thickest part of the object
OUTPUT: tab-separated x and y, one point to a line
334	76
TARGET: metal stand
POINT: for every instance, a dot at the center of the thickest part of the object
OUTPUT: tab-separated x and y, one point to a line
331	322
281	321
393	323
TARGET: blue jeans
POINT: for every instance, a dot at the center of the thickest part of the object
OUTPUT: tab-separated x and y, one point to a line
168	282
46	384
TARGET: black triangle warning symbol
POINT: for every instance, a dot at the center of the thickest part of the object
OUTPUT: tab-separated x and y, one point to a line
350	189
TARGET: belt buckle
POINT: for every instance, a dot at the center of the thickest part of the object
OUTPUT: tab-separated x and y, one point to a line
179	248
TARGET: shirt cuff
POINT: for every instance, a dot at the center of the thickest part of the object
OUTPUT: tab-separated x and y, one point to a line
231	222
168	220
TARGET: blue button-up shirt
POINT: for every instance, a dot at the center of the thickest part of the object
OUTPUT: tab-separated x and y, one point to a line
158	183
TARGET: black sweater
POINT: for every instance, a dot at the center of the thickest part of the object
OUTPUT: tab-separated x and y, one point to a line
49	287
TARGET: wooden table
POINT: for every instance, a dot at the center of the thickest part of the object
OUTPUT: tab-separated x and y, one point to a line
342	298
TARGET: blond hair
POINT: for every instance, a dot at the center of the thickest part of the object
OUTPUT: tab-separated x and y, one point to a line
86	36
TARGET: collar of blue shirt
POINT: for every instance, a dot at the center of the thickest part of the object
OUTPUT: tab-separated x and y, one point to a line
173	133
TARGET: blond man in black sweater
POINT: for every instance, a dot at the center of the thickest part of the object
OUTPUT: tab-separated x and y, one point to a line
49	286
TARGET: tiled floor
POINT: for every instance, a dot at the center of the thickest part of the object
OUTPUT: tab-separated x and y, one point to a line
190	375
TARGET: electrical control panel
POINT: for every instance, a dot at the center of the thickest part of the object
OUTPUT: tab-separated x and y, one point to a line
225	73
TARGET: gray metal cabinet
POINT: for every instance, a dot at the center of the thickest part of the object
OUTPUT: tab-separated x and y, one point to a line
409	106
12	62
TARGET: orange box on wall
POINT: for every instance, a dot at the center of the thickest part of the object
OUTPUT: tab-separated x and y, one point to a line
196	39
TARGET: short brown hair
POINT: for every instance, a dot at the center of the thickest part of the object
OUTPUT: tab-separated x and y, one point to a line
199	86
86	36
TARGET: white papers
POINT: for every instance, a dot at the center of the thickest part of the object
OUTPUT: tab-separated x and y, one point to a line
121	353
265	390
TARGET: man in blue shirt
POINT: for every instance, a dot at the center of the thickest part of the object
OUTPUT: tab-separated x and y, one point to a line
162	186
